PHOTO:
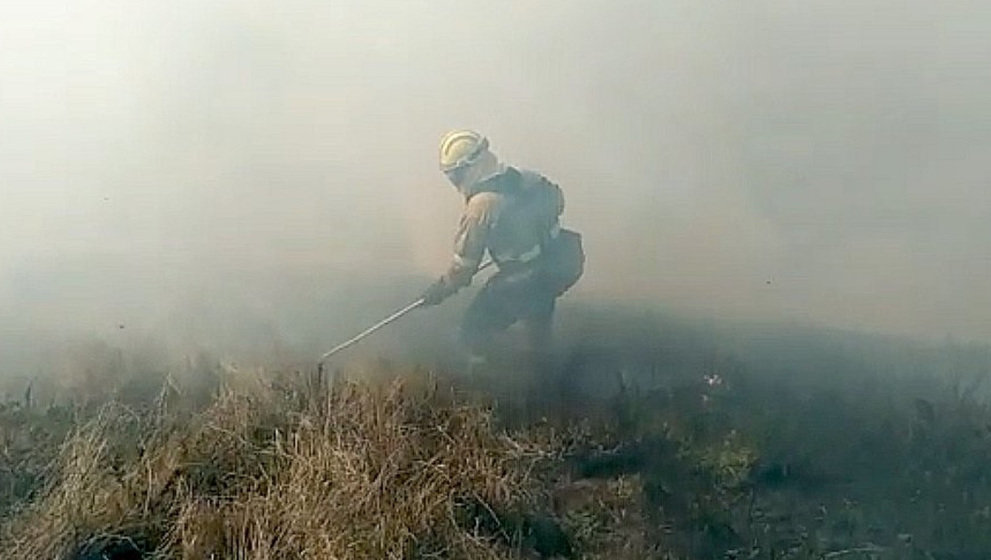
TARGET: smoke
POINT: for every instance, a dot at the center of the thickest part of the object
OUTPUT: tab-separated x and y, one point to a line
167	167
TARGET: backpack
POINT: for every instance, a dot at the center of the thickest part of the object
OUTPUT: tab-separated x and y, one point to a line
563	258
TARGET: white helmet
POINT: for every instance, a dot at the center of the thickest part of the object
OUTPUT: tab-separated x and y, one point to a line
460	148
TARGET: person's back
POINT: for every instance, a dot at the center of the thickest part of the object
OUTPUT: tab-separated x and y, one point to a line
529	216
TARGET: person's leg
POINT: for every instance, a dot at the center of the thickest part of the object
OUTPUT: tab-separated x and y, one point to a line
539	322
557	271
488	314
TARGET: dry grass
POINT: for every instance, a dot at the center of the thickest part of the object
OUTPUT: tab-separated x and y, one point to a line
723	462
292	471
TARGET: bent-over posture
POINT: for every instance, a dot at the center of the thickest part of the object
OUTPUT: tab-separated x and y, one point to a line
513	215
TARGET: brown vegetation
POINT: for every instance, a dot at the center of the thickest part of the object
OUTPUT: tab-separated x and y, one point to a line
676	463
300	471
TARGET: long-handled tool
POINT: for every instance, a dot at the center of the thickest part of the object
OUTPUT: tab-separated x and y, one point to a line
391	318
370	330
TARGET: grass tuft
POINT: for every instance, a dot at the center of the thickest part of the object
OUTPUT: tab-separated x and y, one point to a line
288	471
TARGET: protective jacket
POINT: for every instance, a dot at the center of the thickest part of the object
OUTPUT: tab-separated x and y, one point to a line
512	215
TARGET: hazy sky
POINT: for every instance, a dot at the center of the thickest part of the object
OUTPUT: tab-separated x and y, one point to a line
819	160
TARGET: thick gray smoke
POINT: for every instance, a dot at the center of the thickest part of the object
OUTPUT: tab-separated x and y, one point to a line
167	166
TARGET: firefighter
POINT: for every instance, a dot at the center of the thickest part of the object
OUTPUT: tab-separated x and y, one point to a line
512	215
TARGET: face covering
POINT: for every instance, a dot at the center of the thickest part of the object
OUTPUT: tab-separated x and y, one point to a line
485	166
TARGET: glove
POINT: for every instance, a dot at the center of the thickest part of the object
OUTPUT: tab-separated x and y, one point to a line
436	293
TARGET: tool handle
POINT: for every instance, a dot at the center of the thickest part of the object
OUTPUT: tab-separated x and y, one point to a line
355	339
371	329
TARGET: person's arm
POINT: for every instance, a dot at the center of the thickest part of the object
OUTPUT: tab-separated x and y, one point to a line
470	243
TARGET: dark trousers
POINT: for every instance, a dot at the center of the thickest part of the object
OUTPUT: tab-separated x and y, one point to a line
525	292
